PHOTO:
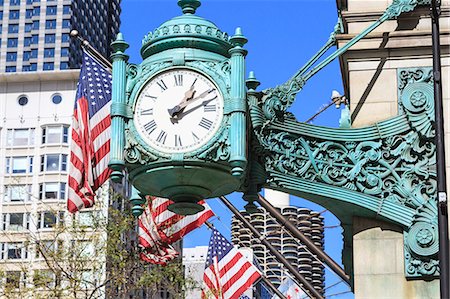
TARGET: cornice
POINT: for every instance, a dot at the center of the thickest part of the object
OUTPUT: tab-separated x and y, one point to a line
18	77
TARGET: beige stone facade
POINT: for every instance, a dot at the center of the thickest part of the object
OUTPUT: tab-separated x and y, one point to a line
369	71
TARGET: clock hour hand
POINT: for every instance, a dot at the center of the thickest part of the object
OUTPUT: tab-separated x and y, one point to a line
183	103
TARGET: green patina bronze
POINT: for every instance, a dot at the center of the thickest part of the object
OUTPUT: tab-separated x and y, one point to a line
218	167
384	171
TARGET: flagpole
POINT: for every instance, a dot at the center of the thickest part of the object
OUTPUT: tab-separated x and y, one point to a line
440	154
307	242
86	45
305	285
263	277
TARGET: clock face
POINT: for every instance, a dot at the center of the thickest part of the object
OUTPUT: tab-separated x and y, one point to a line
178	111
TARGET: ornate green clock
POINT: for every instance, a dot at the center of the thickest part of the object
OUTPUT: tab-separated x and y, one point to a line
179	117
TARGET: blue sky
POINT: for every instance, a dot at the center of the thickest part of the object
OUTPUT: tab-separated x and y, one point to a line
282	36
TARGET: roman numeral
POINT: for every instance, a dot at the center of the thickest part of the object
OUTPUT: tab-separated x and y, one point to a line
205	123
151	97
193	83
147	112
150	126
162	137
178	140
162	85
178	79
195	137
209	108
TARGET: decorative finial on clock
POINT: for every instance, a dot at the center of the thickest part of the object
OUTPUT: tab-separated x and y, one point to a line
189	6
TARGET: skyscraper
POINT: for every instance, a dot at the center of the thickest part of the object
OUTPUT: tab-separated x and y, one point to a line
309	222
35	34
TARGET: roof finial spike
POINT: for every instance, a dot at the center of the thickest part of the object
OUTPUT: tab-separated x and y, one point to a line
189	6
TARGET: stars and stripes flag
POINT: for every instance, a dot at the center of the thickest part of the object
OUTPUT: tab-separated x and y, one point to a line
227	273
159	228
91	134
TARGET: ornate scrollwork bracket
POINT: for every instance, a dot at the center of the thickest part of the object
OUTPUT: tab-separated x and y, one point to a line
385	171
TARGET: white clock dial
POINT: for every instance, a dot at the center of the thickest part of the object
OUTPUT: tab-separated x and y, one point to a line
178	111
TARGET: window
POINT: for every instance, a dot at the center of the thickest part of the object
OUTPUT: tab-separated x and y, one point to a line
66	24
56	99
86	248
10	68
16	221
12	279
13	28
64	65
12	42
50	38
47	247
33	66
50	24
49	52
27	41
87	279
86	218
54	162
36	11
55	134
66	9
11	56
13	251
35	25
48	66
19	165
49	219
14	2
20	137
64	52
17	193
28	27
52	191
34	39
26	55
22	100
51	10
29	13
65	37
14	14
45	279
34	53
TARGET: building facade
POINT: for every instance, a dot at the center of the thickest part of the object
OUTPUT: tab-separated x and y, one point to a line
35	34
36	110
309	222
372	74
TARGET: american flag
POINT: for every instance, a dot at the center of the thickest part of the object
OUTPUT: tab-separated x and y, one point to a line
227	273
159	228
91	134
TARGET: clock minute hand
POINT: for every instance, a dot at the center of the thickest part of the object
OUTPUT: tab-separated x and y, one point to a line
183	113
180	107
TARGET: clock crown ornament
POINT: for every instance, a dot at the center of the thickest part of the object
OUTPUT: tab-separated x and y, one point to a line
187	30
181	130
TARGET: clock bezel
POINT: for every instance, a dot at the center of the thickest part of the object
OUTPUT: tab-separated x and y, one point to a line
145	79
